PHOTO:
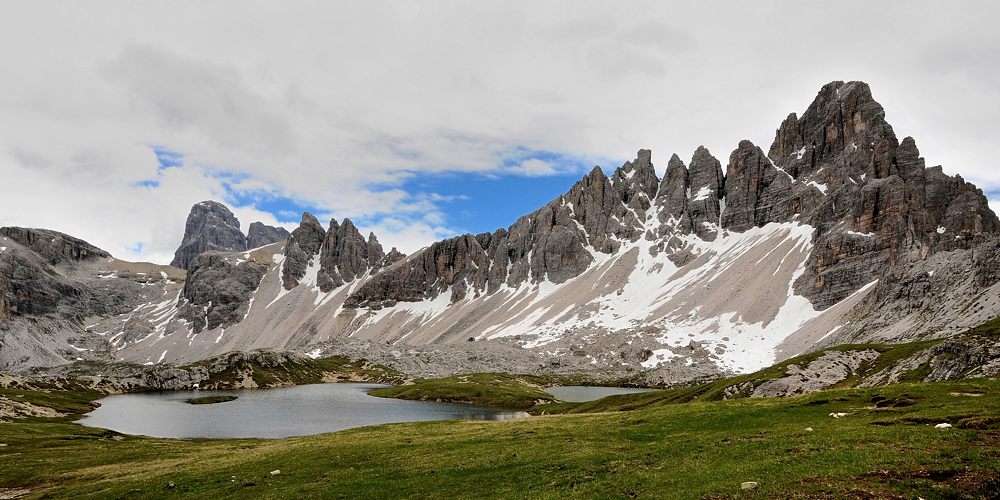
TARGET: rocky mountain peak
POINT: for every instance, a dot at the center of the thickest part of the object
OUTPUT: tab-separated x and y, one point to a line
636	181
673	191
340	258
376	254
871	197
756	191
842	116
837	167
310	219
53	246
260	234
706	187
341	252
303	244
392	257
210	226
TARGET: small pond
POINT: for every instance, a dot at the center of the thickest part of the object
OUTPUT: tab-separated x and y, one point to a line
580	393
271	413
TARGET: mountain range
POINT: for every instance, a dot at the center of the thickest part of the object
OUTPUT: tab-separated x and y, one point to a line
838	233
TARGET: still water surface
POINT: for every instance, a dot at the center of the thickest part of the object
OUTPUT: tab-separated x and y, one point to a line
271	413
580	393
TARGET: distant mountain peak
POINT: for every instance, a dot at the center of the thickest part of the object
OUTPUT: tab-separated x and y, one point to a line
212	226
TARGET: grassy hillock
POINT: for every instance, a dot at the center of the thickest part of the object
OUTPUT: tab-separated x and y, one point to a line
490	389
237	370
743	385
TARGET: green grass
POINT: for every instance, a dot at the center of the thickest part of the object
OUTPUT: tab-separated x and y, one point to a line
989	329
210	400
743	385
70	403
690	450
490	389
689	442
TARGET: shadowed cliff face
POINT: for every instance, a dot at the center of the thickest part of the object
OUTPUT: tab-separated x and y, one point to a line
260	234
338	255
212	227
218	291
838	168
31	282
881	205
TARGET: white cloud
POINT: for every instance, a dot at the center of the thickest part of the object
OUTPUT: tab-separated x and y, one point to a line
534	168
337	104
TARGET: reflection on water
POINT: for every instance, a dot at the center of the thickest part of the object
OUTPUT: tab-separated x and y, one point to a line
579	393
271	413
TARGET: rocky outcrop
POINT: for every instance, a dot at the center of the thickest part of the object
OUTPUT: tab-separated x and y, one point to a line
829	369
340	254
757	193
36	276
838	168
236	370
673	194
875	203
52	246
706	187
218	291
260	234
210	227
303	245
346	255
555	243
956	358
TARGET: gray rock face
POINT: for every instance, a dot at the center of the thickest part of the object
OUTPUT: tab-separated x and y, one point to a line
838	168
825	371
210	227
707	186
346	255
342	254
217	291
35	276
756	192
51	282
881	206
54	247
553	243
303	244
260	234
673	193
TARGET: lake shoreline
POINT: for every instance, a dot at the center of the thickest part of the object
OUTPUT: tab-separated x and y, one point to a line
297	411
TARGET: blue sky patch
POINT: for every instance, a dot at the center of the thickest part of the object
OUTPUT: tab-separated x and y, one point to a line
167	158
477	203
523	181
147	184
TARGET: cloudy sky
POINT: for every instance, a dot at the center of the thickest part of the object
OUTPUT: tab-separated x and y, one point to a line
421	120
